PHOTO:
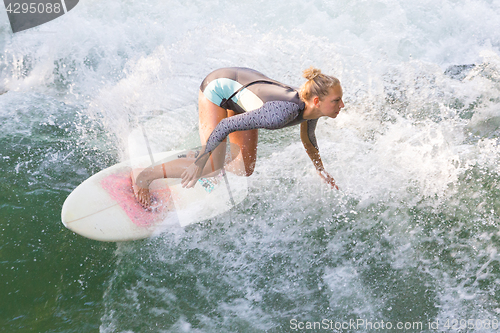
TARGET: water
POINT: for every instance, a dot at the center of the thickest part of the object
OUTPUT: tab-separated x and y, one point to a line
412	236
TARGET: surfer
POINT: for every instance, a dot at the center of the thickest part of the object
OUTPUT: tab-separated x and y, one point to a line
235	103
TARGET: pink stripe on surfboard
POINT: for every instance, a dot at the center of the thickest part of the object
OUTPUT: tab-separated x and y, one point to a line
119	188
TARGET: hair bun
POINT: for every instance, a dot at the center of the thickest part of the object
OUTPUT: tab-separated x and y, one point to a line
311	73
317	84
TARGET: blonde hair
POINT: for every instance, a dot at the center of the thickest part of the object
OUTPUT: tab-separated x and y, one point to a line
317	84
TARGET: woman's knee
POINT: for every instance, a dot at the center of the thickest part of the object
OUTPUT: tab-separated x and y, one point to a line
249	168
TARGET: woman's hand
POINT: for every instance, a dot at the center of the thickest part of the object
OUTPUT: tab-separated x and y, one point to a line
328	179
193	172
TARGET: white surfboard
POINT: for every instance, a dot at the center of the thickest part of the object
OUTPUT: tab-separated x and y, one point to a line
104	207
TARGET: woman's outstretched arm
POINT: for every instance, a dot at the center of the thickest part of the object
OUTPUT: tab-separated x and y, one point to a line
309	140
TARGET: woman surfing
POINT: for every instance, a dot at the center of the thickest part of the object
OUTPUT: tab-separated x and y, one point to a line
234	103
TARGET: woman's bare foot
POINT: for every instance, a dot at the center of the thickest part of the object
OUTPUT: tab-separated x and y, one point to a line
141	193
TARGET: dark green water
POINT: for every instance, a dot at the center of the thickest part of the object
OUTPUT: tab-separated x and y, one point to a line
51	278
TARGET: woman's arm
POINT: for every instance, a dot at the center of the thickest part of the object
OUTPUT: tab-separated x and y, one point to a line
309	140
272	115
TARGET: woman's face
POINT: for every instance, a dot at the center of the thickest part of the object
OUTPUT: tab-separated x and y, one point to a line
331	104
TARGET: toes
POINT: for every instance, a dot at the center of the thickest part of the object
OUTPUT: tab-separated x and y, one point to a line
140	193
144	198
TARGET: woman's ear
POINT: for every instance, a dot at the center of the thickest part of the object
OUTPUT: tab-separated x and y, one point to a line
316	101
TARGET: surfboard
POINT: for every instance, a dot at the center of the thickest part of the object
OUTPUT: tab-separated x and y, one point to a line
104	207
